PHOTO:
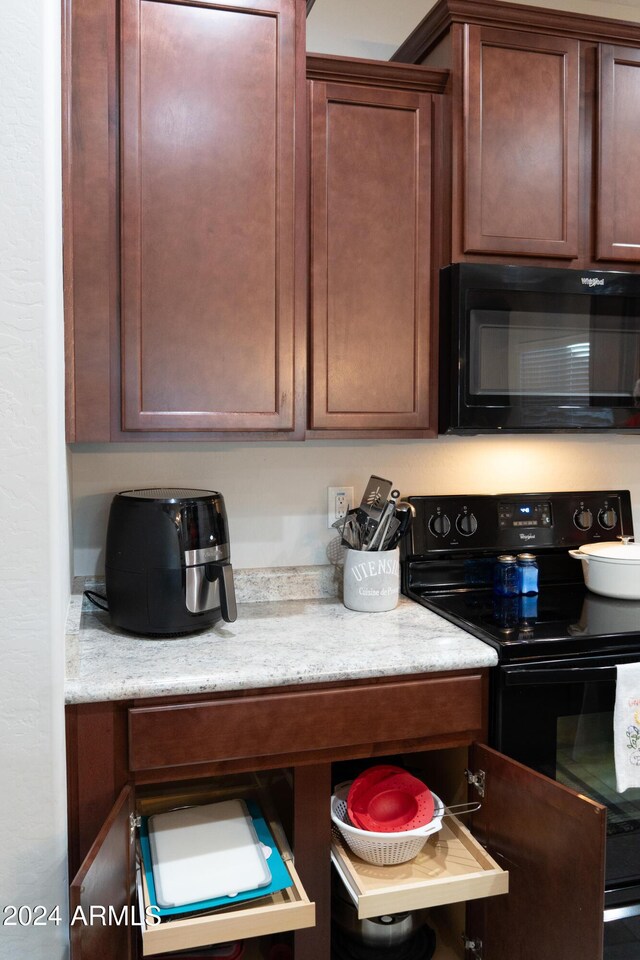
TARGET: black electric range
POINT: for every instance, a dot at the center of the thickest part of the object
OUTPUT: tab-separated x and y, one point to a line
449	561
552	693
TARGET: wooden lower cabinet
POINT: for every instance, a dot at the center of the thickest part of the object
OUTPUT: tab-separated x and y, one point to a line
531	837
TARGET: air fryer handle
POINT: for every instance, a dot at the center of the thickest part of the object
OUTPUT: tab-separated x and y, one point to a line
227	592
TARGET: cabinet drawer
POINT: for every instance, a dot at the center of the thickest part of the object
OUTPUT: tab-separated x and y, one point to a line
291	722
289	909
451	867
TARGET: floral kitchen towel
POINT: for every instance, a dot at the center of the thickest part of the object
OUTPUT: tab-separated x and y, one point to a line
626	726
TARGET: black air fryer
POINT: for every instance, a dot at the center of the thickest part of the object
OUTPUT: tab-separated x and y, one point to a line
167	567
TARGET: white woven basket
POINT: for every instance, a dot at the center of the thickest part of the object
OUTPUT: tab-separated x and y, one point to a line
383	849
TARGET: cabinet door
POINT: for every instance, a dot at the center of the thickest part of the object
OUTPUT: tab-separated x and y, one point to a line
521	144
552	841
370	198
208	159
618	200
105	883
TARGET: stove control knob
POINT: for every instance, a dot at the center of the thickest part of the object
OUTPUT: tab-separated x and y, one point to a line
439	525
583	518
466	524
607	518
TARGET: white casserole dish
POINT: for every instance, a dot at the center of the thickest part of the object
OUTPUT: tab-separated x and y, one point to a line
611	569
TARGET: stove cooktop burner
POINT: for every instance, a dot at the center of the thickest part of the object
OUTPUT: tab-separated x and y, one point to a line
562	620
449	558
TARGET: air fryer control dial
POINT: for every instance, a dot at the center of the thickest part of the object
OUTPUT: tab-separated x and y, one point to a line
439	525
466	524
607	518
583	518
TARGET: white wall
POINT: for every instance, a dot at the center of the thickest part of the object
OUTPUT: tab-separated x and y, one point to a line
276	495
34	545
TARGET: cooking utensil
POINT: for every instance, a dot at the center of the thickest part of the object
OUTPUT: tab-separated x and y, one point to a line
375	496
365	782
398	802
405	512
385	932
382	849
394	524
372	506
386	798
611	569
383	524
350	530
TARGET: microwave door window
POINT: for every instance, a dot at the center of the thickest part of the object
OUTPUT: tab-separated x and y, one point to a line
575	357
526	357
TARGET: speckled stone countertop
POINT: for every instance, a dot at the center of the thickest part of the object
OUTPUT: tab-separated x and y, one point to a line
291	629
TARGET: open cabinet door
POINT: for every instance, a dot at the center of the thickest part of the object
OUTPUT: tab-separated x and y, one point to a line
106	880
552	842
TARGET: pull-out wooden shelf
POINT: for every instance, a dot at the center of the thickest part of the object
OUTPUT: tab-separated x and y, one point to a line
451	867
288	909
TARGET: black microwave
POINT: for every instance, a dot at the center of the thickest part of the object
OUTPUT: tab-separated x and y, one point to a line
538	349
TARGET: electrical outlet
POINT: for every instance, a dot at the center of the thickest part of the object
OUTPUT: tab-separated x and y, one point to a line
339	502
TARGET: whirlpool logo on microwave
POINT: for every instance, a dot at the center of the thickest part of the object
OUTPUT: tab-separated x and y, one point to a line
592	282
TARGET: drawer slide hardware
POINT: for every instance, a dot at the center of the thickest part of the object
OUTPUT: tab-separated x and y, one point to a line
476	780
135	822
474	947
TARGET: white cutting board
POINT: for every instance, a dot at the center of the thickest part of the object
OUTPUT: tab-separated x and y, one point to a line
200	853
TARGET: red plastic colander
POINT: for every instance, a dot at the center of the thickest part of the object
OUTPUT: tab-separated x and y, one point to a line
389	801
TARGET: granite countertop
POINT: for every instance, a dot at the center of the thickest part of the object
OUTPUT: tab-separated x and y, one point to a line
291	629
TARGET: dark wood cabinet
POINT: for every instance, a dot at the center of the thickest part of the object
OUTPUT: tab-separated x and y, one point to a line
185	226
618	197
521	145
539	132
548	839
371	175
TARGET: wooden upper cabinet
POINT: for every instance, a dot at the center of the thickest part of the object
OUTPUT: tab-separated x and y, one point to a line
370	259
541	136
185	218
521	144
208	201
618	200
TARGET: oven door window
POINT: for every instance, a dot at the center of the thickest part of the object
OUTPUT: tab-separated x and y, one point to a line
565	730
622	939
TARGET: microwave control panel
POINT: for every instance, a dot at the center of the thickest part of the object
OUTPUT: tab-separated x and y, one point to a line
517	521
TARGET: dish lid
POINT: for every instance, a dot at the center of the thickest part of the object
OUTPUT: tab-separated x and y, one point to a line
612	551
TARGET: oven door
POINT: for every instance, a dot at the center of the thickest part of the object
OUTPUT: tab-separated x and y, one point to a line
558	719
539	349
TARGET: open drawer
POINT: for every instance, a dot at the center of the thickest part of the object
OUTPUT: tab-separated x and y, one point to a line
451	867
109	885
289	909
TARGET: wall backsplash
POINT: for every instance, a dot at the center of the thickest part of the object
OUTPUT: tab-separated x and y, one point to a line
276	496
